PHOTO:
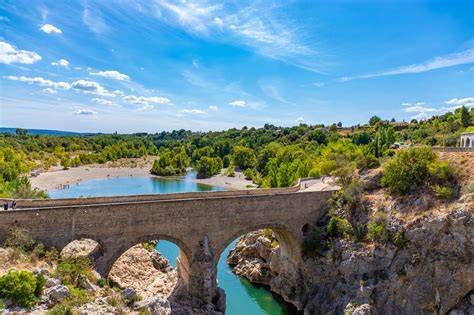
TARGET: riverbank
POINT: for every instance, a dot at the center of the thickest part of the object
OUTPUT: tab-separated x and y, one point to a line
238	182
57	177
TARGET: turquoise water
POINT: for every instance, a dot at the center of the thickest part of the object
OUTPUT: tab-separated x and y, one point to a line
126	186
242	296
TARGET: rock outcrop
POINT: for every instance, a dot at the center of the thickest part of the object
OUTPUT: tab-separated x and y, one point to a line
137	269
430	272
82	248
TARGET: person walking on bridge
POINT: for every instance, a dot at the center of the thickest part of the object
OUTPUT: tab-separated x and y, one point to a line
5	206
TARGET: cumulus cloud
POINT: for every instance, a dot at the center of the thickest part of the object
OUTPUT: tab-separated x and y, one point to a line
213	108
142	100
50	90
118	92
406	104
112	74
41	81
90	87
419	109
85	112
146	107
10	54
300	120
460	101
192	111
61	62
238	103
49	28
103	102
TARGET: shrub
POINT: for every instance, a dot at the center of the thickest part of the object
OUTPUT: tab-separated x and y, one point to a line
70	270
359	232
230	172
338	227
313	244
398	238
444	192
442	172
51	256
22	287
248	173
18	237
77	296
377	228
408	170
102	282
149	246
60	309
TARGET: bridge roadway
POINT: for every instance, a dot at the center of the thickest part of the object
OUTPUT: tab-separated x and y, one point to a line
201	224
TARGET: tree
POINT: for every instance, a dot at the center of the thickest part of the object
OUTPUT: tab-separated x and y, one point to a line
21	131
465	116
374	119
339	124
319	136
361	138
208	166
243	157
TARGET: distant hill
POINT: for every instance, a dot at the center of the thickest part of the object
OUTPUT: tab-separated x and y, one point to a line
48	132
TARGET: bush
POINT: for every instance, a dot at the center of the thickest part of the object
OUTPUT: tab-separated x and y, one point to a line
313	244
444	192
60	309
77	297
22	287
338	227
51	256
359	232
408	170
18	237
230	172
377	228
71	270
442	172
208	166
248	173
149	246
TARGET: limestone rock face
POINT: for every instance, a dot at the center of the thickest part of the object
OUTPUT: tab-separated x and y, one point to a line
82	248
431	273
155	305
136	269
57	293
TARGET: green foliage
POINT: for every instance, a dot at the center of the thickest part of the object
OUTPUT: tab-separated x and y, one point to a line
208	166
77	296
243	157
230	172
377	228
60	309
445	192
348	198
102	282
149	246
338	227
71	270
171	162
361	138
408	170
359	232
248	173
374	119
18	237
22	287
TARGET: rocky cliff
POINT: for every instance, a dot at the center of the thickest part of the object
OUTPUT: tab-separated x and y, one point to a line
430	270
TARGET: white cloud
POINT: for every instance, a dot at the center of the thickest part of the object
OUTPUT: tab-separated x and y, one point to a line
142	100
4	18
49	28
112	74
90	87
419	109
419	103
10	54
455	59
146	107
238	103
104	102
41	81
118	92
300	120
213	108
460	101
93	20
406	104
85	112
421	116
192	111
49	90
61	62
77	68
319	84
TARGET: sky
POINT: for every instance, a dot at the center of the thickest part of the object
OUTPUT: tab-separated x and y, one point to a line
148	66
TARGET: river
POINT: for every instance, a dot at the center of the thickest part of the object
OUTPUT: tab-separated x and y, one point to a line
243	297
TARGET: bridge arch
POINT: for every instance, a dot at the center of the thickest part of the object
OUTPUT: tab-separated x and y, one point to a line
183	262
290	247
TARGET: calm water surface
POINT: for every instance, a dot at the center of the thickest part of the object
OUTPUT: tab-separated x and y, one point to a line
242	296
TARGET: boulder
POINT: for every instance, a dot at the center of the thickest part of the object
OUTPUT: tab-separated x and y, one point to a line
155	305
364	309
51	282
160	262
371	179
129	294
82	248
58	293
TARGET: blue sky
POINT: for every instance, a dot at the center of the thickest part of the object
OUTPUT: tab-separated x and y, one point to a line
132	66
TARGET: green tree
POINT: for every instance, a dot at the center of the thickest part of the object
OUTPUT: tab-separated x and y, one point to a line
21	131
208	166
243	157
464	116
374	119
22	287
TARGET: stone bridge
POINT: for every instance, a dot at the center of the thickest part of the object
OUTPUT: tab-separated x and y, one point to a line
201	224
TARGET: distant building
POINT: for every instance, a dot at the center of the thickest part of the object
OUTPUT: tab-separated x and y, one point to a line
467	140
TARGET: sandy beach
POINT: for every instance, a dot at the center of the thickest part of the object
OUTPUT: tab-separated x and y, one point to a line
233	183
123	168
56	176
